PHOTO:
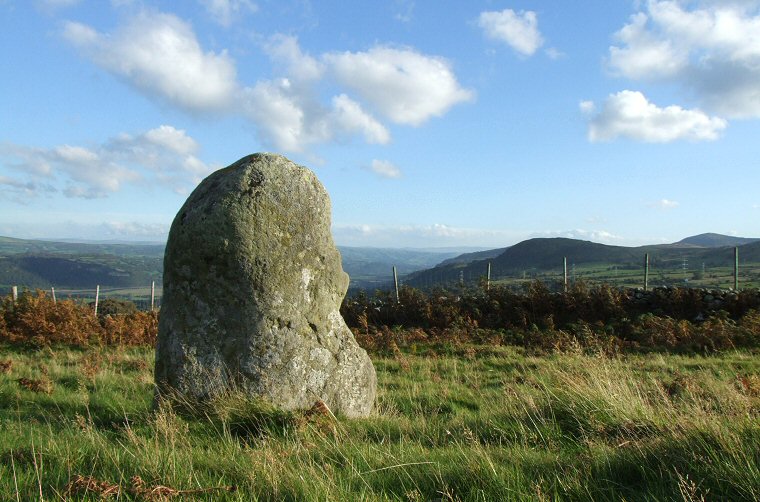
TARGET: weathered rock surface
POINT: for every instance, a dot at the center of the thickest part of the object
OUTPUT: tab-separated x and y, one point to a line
252	290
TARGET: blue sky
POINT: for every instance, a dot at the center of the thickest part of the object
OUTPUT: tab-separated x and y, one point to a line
430	123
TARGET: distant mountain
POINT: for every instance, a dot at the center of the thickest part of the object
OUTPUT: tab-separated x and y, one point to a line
41	264
710	240
370	268
10	245
72	265
466	258
535	256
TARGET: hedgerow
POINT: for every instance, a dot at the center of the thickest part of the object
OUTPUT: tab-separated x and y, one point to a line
600	318
36	319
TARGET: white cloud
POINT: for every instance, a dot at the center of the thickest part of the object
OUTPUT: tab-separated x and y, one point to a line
628	114
47	225
402	84
73	170
587	107
160	55
175	140
285	51
165	155
279	115
601	236
645	55
664	204
288	111
518	30
225	12
424	236
133	229
710	48
21	191
385	169
349	116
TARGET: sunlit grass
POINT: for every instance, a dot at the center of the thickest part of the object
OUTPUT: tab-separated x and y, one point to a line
491	424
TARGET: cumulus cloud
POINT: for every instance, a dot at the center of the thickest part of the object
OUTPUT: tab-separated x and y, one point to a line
225	12
628	114
385	169
349	117
164	154
279	115
84	173
518	30
402	84
285	51
710	48
160	55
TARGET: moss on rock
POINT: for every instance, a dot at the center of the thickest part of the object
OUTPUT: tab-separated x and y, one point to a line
252	289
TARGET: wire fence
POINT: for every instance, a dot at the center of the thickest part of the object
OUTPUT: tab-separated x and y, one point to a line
648	273
144	298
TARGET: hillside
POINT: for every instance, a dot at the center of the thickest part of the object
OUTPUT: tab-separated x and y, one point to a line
466	258
534	257
72	265
710	240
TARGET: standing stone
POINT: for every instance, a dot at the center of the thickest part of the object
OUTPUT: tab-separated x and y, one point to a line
252	289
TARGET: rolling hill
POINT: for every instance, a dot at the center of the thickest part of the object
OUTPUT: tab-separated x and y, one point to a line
716	240
73	265
535	256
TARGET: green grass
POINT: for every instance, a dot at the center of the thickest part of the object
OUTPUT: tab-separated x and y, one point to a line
489	424
617	276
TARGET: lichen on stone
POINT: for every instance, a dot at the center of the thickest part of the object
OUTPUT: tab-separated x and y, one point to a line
252	289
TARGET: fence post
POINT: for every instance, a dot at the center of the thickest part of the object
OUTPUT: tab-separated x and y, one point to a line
395	283
14	292
97	297
646	271
152	294
488	277
52	291
736	268
564	272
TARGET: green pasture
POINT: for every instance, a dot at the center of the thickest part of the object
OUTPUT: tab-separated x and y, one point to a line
474	423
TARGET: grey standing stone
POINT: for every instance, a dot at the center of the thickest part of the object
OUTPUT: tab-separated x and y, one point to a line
252	289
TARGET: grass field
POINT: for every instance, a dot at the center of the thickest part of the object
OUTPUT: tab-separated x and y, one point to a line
711	278
476	423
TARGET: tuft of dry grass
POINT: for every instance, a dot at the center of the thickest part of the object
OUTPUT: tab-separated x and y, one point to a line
83	485
39	385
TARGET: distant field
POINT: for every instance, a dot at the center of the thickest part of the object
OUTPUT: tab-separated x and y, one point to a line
711	278
472	423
